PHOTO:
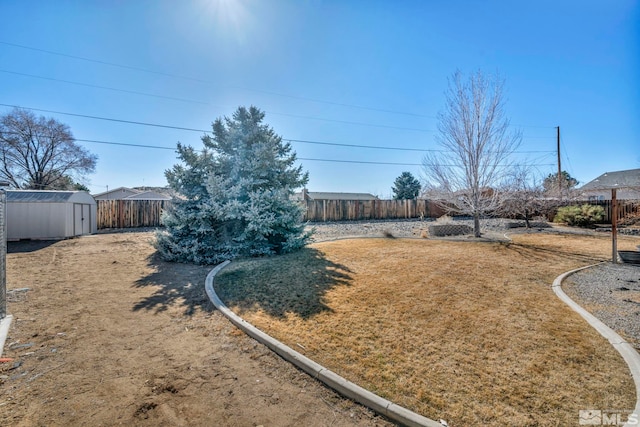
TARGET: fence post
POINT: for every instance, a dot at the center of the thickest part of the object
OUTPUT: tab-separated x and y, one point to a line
614	226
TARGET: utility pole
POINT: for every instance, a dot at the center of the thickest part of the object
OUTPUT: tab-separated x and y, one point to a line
559	166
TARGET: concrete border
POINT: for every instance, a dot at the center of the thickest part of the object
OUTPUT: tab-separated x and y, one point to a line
4	330
626	349
333	380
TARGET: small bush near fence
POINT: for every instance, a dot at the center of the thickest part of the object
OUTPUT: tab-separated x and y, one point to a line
580	216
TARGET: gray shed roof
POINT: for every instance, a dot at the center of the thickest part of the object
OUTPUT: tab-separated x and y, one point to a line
617	179
43	196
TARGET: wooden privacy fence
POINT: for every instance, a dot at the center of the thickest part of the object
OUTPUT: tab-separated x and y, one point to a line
130	213
353	210
148	213
626	208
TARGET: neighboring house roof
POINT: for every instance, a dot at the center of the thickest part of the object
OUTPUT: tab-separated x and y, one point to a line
319	195
163	191
618	179
148	195
124	193
46	196
116	194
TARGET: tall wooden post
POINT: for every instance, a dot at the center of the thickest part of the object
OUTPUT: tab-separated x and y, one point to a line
559	166
614	226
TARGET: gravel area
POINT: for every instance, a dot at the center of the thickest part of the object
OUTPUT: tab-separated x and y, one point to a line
493	228
323	231
611	292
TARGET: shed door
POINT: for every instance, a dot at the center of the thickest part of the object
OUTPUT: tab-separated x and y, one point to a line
81	219
86	219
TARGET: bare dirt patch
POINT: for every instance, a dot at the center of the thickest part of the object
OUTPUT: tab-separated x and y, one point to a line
108	335
470	332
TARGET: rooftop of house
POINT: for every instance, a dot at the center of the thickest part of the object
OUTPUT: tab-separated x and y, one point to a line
321	195
618	179
136	193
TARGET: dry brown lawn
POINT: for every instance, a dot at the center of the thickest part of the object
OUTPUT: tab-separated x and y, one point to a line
469	332
110	335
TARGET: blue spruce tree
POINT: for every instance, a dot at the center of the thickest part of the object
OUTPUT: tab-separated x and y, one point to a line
237	195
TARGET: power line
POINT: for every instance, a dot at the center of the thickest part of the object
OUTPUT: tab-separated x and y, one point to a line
146	70
132	122
399	164
126	144
204	131
207	82
535	127
566	155
351	123
320	160
424	150
192	101
336	144
358	162
132	92
299	158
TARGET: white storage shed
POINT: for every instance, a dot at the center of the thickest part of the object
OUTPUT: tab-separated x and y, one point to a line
49	215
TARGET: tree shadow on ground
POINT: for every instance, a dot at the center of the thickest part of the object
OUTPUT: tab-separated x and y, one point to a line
295	283
536	252
178	285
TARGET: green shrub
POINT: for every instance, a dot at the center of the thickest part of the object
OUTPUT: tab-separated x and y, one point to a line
580	216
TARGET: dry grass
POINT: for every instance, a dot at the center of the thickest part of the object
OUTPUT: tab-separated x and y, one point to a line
465	331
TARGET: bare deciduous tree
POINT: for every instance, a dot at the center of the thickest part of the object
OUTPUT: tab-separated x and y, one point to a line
524	196
476	143
37	153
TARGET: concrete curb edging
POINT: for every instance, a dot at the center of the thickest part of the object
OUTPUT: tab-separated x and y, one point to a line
626	349
331	379
4	330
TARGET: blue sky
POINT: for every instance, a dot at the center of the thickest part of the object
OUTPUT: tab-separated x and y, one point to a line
349	72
